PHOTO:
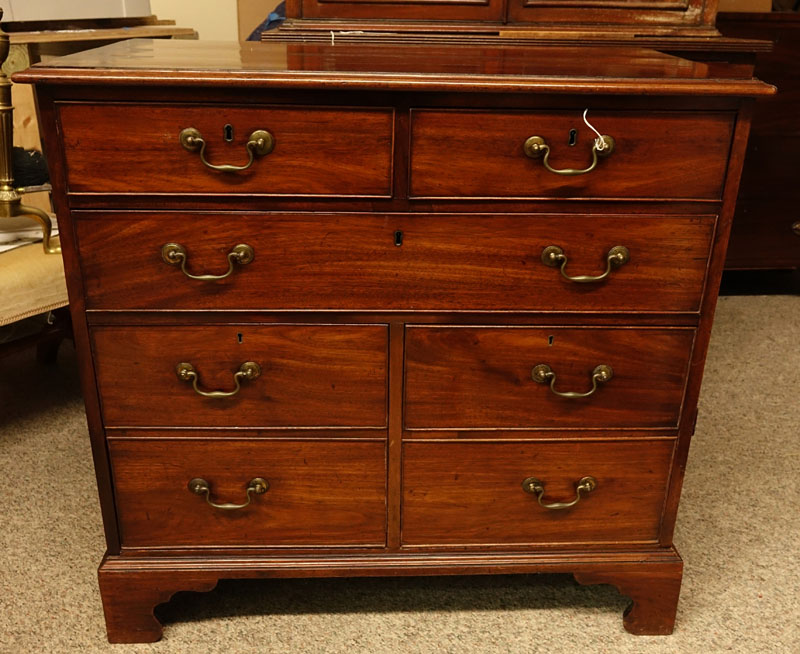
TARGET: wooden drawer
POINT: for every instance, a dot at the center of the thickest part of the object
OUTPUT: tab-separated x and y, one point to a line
136	149
445	262
310	375
472	494
481	377
320	492
668	155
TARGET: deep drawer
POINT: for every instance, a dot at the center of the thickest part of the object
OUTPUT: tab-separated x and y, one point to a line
472	493
135	148
310	375
319	493
482	377
656	154
350	262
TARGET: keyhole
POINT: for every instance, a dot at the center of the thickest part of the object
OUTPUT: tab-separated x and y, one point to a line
227	132
398	238
239	338
573	137
550	340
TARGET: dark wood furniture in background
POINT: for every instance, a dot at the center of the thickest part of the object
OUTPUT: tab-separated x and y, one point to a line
693	18
766	229
407	380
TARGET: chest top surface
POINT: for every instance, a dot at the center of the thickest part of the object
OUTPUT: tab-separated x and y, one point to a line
551	69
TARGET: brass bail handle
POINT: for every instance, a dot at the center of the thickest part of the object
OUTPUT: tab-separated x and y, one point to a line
248	370
175	254
260	143
257	486
555	256
536	148
535	487
542	374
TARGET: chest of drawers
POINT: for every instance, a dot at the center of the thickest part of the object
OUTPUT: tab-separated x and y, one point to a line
342	311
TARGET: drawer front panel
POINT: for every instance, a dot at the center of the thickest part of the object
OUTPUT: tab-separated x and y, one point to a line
319	493
472	493
310	375
136	149
481	378
482	263
656	154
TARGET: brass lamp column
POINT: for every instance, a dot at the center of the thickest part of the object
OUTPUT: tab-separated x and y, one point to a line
10	200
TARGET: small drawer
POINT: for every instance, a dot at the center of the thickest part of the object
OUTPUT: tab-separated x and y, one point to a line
304	375
472	493
394	262
483	377
656	155
313	493
136	148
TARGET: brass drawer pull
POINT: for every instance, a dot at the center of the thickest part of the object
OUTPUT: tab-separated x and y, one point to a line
175	254
542	373
535	487
536	148
260	143
199	486
248	370
554	256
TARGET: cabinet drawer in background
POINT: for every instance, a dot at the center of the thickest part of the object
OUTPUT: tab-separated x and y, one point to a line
670	155
310	375
354	262
317	151
318	492
481	377
472	493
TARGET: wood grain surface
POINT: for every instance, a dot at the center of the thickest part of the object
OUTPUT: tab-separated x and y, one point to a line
320	492
367	422
480	378
471	493
657	154
477	263
329	151
311	375
550	69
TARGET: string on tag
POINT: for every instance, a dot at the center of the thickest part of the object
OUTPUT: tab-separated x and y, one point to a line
333	42
602	145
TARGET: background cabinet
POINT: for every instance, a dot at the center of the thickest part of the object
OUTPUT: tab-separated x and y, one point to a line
647	16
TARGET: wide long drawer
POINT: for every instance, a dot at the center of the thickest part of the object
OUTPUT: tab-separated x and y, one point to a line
394	261
301	493
462	153
242	375
472	493
545	377
137	148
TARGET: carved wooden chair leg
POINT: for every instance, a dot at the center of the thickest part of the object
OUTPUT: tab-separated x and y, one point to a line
51	339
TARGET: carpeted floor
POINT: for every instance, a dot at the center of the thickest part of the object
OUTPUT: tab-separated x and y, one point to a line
738	531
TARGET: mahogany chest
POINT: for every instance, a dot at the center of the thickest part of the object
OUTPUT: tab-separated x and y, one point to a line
351	311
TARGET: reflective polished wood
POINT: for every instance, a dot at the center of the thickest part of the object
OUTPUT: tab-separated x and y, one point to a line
396	303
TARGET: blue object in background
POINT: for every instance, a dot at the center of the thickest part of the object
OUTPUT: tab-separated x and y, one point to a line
275	18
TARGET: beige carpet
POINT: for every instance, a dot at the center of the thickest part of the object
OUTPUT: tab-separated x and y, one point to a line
738	531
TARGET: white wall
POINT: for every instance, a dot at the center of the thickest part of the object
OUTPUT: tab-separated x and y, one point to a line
60	10
214	20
